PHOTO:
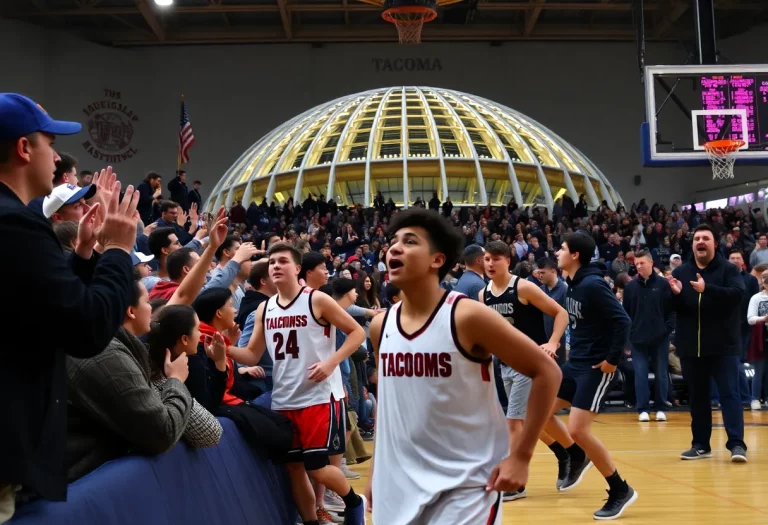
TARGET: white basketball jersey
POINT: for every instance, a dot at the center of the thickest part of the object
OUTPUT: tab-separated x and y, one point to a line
439	424
295	341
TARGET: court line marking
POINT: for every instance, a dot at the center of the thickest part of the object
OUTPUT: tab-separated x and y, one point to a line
690	486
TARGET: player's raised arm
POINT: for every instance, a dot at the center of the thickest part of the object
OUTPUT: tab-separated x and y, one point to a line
481	328
329	310
534	295
251	355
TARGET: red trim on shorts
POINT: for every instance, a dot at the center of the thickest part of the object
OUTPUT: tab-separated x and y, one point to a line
311	426
494	511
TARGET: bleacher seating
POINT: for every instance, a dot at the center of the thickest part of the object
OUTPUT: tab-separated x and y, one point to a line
223	485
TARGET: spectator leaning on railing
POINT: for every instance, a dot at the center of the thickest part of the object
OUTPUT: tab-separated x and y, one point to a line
82	299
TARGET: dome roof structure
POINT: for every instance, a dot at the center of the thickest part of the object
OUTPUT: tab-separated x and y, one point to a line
409	142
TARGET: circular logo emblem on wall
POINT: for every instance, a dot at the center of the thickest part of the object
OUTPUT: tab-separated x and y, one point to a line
110	129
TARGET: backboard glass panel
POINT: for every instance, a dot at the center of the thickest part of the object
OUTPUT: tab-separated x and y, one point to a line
687	106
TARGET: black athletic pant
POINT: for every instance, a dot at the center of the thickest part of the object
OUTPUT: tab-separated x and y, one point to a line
725	371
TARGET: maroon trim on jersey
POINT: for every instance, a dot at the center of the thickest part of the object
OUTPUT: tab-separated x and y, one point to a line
312	313
383	327
277	300
494	511
485	372
421	330
264	315
455	335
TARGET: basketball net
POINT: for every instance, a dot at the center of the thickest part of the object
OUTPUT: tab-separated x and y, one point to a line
409	21
409	27
722	156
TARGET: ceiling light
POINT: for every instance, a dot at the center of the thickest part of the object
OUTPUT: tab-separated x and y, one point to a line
164	3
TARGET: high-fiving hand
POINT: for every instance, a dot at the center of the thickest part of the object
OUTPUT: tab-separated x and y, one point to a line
119	227
218	231
105	182
216	349
181	219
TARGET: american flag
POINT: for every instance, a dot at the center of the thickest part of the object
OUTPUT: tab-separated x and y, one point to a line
186	137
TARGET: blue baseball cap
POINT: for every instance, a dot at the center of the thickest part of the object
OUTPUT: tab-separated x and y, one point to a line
20	116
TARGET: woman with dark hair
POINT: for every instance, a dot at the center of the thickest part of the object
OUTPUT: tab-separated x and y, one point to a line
113	407
367	292
177	330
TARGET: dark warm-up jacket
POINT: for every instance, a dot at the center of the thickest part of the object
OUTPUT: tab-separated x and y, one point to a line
598	325
51	307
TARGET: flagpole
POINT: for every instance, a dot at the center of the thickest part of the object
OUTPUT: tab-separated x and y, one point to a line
178	149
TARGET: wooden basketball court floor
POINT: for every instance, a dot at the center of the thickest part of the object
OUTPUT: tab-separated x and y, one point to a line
671	491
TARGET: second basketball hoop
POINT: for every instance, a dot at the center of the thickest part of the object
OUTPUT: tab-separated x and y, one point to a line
721	155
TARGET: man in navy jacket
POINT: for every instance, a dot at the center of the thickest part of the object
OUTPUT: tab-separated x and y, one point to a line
707	297
647	302
597	336
81	300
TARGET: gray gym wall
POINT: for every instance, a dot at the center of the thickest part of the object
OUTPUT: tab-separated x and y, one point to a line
588	93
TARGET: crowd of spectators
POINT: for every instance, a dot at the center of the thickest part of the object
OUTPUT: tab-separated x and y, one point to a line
155	298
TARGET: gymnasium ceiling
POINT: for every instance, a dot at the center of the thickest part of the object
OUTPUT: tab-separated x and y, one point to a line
140	22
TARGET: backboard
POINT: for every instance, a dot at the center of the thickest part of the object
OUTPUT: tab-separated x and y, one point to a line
687	106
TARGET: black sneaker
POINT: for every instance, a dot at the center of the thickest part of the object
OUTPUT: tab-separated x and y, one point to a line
562	472
575	474
696	453
616	504
738	454
512	496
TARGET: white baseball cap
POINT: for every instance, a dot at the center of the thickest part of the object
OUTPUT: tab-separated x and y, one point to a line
675	256
66	194
139	257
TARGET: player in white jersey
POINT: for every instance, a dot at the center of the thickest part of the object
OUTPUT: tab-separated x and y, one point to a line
442	447
297	329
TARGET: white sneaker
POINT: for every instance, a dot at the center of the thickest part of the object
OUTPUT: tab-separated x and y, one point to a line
643	417
349	474
333	501
661	416
755	404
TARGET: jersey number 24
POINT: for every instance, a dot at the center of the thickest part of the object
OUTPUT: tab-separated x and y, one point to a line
291	346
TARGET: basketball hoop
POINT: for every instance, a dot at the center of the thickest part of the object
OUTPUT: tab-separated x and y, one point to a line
722	155
409	20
